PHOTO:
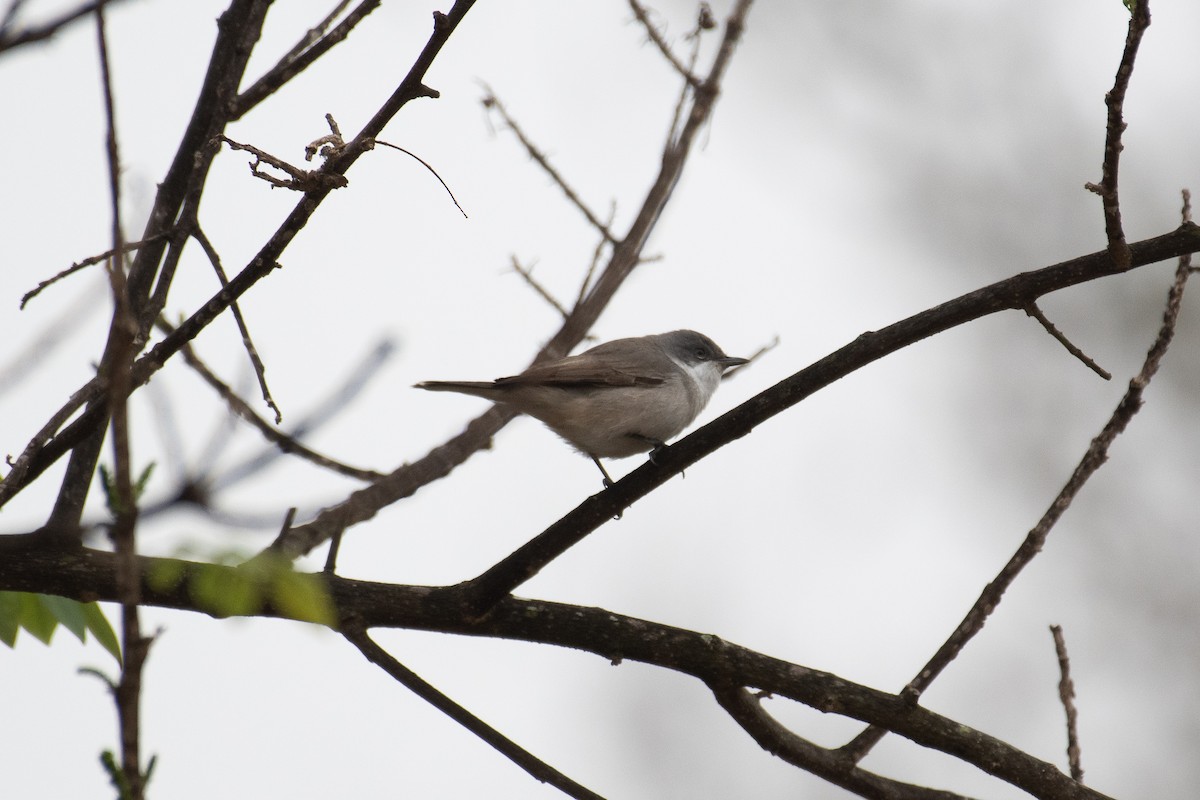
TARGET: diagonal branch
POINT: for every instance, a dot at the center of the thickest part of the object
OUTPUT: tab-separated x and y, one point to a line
260	370
1014	293
747	711
427	692
10	39
1093	459
316	43
491	102
643	17
286	443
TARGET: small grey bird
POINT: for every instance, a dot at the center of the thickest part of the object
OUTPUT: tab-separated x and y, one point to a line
620	398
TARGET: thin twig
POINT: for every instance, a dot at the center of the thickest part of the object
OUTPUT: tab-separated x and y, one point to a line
260	370
127	247
1066	693
425	164
9	40
527	274
54	332
286	443
703	23
335	545
1035	312
1118	248
643	17
539	769
597	254
1096	455
491	102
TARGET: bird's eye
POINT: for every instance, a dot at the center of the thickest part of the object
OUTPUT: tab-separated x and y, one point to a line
703	354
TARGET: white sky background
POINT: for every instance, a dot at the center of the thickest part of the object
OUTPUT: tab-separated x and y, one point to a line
865	162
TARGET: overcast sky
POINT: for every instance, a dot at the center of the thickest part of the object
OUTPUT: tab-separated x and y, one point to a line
866	161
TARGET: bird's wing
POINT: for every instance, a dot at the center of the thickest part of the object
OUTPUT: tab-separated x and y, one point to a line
597	367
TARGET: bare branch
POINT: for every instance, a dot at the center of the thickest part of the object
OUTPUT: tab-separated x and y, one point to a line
527	274
1139	20
652	32
260	371
302	180
1093	459
1066	693
284	442
1035	312
127	247
363	605
10	39
302	55
491	102
1014	293
597	254
427	692
747	711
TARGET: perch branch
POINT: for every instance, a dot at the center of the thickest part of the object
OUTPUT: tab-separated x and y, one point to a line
1093	459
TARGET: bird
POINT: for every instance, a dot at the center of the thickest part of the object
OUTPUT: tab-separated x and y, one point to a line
618	399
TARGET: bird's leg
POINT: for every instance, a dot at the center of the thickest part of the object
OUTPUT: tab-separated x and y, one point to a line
607	480
657	445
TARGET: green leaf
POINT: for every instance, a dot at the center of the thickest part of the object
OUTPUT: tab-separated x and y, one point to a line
10	617
69	613
98	624
37	618
139	485
110	490
112	498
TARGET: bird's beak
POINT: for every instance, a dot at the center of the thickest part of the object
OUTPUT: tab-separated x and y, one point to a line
731	361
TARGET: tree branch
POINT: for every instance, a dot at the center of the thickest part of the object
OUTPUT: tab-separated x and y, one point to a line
427	692
1014	293
1139	20
83	573
1035	540
747	711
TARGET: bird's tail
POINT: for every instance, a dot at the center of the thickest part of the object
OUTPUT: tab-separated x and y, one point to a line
484	389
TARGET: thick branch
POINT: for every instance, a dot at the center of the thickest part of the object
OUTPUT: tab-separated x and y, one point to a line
85	574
